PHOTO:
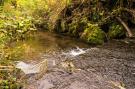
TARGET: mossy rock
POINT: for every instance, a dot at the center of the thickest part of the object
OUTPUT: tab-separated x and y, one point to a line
93	34
116	31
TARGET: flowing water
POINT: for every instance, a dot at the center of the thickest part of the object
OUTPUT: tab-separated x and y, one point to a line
52	61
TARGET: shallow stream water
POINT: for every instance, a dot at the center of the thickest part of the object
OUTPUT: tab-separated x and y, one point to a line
58	62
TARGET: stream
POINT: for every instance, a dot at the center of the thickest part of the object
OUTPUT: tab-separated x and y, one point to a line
52	61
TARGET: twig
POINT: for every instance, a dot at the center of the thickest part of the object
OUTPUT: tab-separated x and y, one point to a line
6	68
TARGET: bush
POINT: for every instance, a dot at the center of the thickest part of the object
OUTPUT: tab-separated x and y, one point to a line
116	31
77	26
93	34
16	28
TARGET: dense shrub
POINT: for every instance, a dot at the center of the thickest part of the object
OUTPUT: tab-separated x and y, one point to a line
116	31
77	26
93	34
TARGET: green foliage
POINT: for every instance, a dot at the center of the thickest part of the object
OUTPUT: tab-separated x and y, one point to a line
116	31
69	2
93	34
95	16
77	26
9	75
16	28
8	79
3	39
13	53
16	23
82	28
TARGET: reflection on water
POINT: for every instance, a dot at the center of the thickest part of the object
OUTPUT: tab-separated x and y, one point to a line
49	43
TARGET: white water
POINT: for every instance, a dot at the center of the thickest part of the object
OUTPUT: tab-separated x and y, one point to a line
75	52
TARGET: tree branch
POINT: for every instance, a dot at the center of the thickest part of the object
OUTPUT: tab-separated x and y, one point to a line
125	26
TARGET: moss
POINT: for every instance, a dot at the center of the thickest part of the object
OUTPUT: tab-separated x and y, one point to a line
116	31
93	34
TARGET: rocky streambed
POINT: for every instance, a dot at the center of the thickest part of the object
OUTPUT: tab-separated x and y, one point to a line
80	66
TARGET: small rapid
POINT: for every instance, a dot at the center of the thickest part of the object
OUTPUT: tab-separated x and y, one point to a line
75	52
